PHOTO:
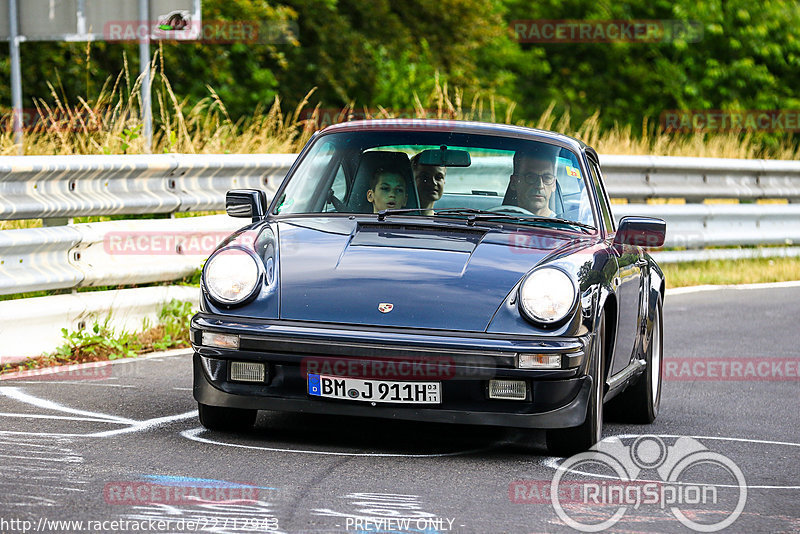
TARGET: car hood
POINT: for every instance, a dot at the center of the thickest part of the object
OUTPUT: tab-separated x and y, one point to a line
404	274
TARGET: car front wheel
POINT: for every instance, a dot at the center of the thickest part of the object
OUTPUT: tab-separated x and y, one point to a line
569	441
640	402
218	418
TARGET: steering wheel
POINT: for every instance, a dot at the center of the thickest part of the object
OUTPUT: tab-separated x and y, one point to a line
510	209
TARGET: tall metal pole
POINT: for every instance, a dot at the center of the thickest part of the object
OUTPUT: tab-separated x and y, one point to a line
144	64
16	75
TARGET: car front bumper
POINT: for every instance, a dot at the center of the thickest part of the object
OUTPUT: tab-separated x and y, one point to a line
555	398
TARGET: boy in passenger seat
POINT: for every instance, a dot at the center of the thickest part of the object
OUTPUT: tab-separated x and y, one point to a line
387	190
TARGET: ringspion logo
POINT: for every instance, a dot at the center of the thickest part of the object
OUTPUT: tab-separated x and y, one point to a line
704	490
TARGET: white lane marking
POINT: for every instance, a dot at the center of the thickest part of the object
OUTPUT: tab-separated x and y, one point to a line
132	425
17	442
135	426
767	285
73	383
39	471
183	389
59	417
18	394
193	435
69	459
553	462
144	425
718	438
41	434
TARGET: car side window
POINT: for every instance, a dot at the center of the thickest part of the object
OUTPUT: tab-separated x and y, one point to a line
339	190
605	210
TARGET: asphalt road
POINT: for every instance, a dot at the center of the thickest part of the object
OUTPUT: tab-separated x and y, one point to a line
96	446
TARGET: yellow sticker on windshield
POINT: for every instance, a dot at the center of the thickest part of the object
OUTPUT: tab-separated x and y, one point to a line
573	171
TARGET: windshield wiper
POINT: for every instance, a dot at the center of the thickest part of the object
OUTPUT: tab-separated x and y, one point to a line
487	215
400	211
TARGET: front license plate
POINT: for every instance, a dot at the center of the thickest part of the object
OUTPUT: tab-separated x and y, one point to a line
335	387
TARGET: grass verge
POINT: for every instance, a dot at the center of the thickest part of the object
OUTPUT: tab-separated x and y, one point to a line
109	123
100	342
724	272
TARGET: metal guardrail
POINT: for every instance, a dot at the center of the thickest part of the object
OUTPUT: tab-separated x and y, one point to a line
108	253
715	225
696	179
33	187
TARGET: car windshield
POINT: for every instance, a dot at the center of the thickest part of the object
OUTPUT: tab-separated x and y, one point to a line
439	174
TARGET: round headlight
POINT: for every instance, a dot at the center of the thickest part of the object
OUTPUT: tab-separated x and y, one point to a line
547	295
231	276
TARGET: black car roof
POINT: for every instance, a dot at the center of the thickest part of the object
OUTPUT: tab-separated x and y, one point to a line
433	125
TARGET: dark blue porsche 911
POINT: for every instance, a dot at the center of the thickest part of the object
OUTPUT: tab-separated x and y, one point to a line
440	271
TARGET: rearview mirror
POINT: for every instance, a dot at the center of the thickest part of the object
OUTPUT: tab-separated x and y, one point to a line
246	203
444	157
641	232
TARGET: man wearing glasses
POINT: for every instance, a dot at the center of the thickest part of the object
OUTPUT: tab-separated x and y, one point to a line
534	179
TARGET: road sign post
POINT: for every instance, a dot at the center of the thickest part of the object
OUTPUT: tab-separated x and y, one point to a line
91	20
144	65
16	75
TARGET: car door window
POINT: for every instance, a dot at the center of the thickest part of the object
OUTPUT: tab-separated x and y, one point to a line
338	191
605	210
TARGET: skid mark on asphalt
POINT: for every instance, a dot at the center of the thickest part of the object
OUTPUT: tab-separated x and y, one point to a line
38	471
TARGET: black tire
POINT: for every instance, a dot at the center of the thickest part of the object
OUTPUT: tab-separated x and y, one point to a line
217	418
640	402
569	441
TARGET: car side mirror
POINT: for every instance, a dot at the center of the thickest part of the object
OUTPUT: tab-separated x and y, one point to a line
641	232
246	203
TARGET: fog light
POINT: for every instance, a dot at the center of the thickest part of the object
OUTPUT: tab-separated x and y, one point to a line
247	372
539	361
222	341
508	389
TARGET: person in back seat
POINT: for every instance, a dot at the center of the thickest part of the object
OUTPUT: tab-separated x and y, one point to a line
430	183
387	190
